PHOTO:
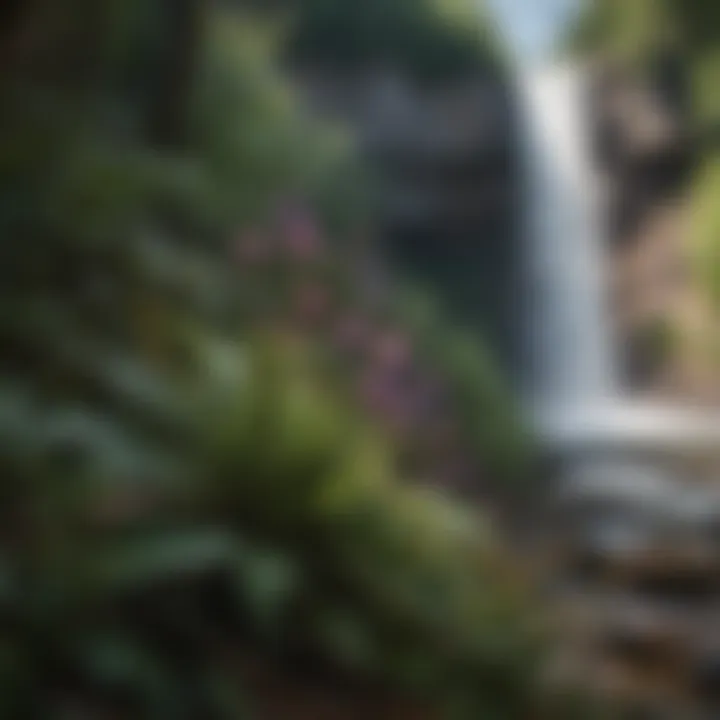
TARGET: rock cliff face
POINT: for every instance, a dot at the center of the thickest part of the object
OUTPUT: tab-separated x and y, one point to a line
444	156
646	155
643	144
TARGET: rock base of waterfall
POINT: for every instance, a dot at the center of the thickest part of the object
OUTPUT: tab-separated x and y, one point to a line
629	425
634	534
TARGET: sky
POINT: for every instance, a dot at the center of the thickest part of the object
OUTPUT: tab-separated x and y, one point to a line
532	26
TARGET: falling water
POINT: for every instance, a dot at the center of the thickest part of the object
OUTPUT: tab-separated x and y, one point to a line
571	355
574	389
573	373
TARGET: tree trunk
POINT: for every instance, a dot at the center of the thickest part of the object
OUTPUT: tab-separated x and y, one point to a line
168	114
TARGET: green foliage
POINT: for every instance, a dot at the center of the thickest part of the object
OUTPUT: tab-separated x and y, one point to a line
627	30
633	32
181	490
429	39
487	412
706	230
254	139
699	26
656	341
277	491
401	552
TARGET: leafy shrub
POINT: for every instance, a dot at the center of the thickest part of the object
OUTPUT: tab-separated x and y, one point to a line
254	139
254	486
186	479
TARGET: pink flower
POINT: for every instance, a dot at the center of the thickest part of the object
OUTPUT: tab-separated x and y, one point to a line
383	397
373	390
393	349
351	333
311	302
251	248
300	234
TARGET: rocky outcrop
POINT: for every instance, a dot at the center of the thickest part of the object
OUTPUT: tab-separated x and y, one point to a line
643	145
635	546
645	151
444	156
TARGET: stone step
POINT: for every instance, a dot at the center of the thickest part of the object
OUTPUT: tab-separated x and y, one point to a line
643	486
634	548
672	570
641	652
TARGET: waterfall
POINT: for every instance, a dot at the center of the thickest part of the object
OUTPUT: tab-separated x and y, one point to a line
571	355
573	385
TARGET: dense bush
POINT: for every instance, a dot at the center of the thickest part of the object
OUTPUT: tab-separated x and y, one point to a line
629	31
248	506
194	469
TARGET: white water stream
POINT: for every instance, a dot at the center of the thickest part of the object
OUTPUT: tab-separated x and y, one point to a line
571	358
575	394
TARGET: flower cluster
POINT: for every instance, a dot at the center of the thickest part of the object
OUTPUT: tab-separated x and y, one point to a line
310	289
